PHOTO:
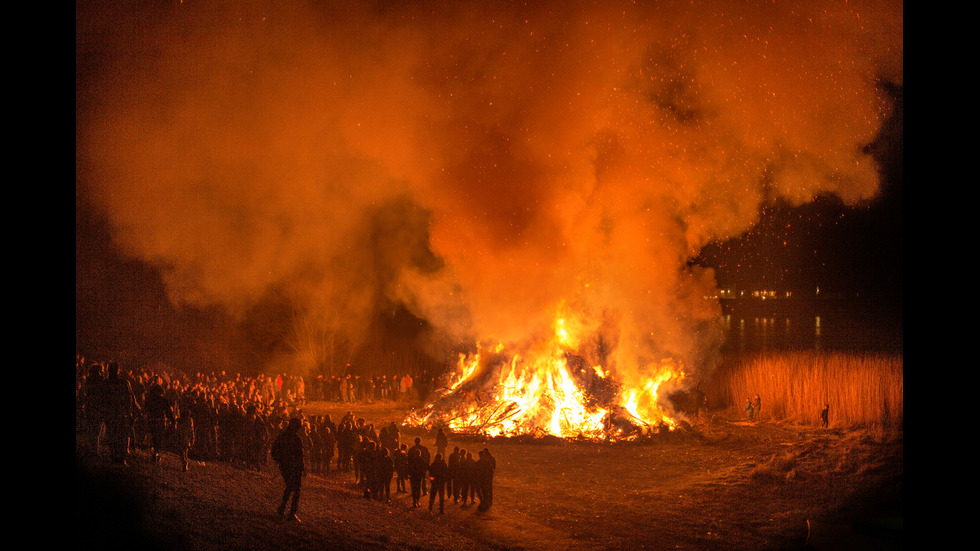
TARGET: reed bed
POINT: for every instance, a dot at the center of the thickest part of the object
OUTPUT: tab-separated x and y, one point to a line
862	390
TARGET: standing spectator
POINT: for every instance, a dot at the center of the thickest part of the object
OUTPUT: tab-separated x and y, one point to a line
416	473
424	453
232	436
393	436
442	442
95	406
308	451
205	423
184	437
287	452
825	416
400	460
364	462
300	392
316	446
438	474
383	437
328	440
351	383
467	470
268	390
386	471
122	410
452	483
257	437
345	445
405	390
757	407
329	424
485	468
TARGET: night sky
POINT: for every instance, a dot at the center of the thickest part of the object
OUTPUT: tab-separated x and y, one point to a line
846	251
246	170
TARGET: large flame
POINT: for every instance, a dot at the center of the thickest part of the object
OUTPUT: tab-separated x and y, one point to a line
550	390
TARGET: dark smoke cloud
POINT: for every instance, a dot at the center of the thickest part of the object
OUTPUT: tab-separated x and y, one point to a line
479	164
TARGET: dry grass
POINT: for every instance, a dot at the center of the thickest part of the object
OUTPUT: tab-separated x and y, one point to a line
862	390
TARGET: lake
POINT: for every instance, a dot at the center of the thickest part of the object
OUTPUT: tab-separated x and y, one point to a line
754	325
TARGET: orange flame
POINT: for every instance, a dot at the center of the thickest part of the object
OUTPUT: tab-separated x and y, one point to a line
542	395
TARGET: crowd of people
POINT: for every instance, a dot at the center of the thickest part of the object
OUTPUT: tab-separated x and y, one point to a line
379	458
351	388
244	421
232	416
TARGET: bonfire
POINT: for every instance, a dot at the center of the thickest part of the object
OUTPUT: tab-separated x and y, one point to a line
549	389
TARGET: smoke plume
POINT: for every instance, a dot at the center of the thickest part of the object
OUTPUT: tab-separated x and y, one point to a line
481	164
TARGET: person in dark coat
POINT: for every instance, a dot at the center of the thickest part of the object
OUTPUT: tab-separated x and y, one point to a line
184	438
121	414
424	453
416	472
96	405
316	447
438	474
160	418
327	440
287	451
442	442
386	470
484	469
467	466
452	483
257	435
370	471
390	437
401	468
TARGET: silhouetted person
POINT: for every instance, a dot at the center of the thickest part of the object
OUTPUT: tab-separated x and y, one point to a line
757	407
362	462
287	451
184	437
825	416
121	416
392	438
483	478
401	468
96	405
159	413
386	470
416	472
327	439
316	446
369	469
438	474
257	438
424	453
442	442
467	469
328	423
452	483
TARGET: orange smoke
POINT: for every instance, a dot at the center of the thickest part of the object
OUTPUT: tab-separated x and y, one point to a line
479	164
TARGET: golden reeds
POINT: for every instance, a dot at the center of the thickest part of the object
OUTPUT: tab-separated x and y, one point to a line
860	389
